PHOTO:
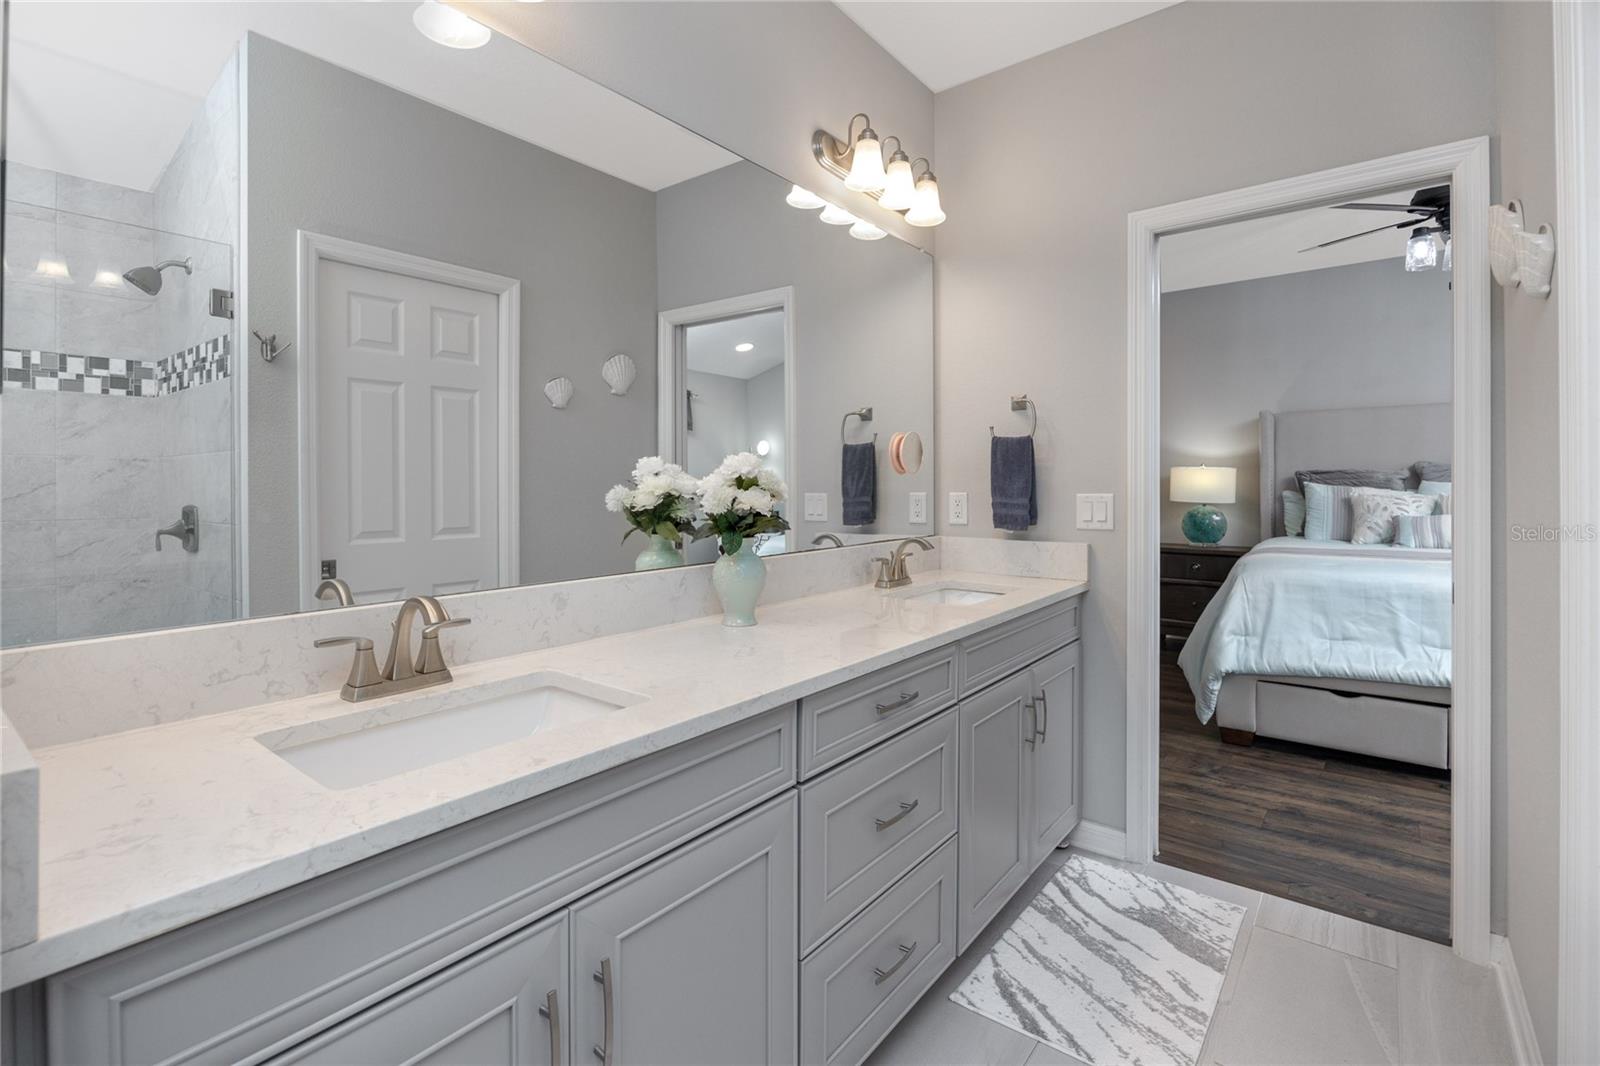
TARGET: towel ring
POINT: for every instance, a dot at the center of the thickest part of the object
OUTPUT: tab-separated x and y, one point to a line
865	414
1022	403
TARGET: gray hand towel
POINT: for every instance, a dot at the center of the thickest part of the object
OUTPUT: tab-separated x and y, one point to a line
1012	485
858	482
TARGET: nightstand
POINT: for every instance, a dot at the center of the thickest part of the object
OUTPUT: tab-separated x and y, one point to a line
1190	575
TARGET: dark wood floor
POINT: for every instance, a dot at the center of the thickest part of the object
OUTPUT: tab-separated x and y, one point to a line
1358	836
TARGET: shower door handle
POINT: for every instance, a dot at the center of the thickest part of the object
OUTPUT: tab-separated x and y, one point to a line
185	530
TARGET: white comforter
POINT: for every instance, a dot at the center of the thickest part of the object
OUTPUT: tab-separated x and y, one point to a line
1325	609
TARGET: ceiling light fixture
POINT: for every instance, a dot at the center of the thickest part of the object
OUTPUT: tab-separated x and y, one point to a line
858	159
763	447
1421	251
866	231
834	215
804	199
449	27
744	346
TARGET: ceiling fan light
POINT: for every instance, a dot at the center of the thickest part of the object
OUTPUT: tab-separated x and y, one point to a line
1421	251
866	164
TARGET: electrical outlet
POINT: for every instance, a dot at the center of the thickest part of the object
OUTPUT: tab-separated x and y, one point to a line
1096	510
918	509
958	508
816	507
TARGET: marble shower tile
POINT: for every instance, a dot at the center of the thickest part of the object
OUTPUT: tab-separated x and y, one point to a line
27	554
27	487
110	427
30	315
107	547
121	605
28	615
30	185
93	487
95	323
1316	926
28	422
97	199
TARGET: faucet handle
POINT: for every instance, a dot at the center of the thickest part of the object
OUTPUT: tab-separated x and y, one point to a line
430	660
432	628
364	671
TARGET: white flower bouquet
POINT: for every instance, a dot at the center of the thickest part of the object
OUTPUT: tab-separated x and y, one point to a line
740	499
661	500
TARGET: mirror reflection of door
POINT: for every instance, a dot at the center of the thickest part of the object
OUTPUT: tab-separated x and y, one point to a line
407	438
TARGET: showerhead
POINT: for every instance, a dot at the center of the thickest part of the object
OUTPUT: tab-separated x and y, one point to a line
147	279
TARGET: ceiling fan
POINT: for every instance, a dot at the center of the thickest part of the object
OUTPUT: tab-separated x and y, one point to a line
1429	225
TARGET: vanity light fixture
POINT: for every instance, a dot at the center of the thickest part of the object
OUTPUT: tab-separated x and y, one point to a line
449	27
859	160
1421	251
866	231
804	199
866	159
744	346
52	269
834	215
925	209
899	183
107	279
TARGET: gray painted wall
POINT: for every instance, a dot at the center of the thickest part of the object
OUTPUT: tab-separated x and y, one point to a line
756	78
1367	335
863	329
721	420
1032	298
1527	572
388	169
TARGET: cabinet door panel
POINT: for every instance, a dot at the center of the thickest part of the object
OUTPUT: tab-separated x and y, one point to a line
484	1010
1055	750
995	781
700	947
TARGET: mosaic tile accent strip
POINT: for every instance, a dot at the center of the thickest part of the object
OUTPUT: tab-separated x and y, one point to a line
28	368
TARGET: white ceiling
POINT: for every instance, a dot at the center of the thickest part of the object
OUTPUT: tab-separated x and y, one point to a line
1267	247
709	346
945	44
105	90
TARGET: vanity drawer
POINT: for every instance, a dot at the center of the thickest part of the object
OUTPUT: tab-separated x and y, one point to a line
989	656
246	984
857	714
869	821
858	985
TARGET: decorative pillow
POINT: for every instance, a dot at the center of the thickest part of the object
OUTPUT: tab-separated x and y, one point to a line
1327	511
1444	505
1422	531
1294	513
1373	513
1434	488
1372	479
1424	470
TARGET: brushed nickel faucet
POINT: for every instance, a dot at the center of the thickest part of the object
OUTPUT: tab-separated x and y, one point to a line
817	540
400	672
892	568
337	587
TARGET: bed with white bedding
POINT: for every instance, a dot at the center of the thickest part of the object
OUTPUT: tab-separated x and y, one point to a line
1326	642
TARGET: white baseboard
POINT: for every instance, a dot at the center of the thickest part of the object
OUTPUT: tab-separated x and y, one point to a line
1524	1040
1100	839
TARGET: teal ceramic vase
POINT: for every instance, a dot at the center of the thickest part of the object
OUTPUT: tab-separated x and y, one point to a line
658	554
1204	524
739	579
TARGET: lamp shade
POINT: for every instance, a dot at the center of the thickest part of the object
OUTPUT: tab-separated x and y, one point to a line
1203	484
866	165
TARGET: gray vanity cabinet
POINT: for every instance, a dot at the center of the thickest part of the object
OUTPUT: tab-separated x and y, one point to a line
1054	752
692	958
503	1006
994	852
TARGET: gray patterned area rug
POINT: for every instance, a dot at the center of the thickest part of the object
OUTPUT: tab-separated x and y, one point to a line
1109	966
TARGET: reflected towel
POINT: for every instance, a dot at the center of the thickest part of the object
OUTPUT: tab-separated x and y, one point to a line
858	481
1012	485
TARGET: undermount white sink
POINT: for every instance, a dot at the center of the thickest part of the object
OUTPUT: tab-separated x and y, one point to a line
951	596
370	745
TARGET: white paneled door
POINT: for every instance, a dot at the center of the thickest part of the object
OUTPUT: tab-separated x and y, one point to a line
407	413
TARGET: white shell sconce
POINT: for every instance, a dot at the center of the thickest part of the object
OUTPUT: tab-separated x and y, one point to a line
619	373
559	391
1518	258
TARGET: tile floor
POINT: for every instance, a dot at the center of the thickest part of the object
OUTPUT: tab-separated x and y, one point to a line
1304	986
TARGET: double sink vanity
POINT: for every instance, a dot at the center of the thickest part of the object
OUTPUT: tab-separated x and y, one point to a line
679	844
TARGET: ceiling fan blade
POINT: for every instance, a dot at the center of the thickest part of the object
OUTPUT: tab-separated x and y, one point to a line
1407	224
1410	209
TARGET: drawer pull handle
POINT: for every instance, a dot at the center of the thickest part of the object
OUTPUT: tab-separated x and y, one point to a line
1033	724
603	975
905	698
1044	704
1194	566
552	1011
905	809
880	975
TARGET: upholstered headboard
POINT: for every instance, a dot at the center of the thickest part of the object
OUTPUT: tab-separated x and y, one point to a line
1376	438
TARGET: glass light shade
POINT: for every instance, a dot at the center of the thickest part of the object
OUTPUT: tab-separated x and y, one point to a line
899	187
925	209
804	199
866	231
834	215
1203	484
866	165
1421	252
449	27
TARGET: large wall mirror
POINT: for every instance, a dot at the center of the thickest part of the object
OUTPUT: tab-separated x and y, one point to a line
293	291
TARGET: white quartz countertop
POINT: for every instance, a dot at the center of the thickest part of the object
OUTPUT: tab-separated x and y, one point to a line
145	831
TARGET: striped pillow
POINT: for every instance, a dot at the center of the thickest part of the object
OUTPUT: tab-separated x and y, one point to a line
1422	531
1328	511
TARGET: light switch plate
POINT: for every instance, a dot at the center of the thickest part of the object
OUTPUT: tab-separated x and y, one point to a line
918	515
958	509
1096	510
816	507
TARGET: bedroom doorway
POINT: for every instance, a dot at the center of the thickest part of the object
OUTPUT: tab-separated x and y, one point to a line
1270	742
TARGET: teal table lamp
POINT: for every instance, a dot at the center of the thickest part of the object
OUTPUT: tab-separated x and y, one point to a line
1204	485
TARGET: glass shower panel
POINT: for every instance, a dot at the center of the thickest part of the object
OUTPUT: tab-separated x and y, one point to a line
117	410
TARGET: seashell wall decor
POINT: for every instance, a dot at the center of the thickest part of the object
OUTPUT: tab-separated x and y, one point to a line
619	373
559	390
